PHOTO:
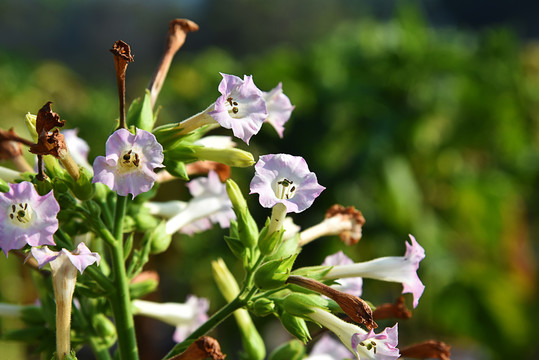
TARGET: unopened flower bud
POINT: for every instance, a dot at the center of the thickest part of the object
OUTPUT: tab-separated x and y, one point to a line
104	327
273	274
269	242
4	186
295	326
247	227
228	156
292	350
83	187
159	239
262	307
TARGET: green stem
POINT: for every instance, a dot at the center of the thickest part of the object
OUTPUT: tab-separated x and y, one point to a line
120	300
212	322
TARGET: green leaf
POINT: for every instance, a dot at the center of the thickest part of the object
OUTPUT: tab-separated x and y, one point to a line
140	113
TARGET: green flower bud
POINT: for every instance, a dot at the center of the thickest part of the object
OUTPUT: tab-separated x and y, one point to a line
228	156
247	227
43	187
176	168
4	186
159	239
299	304
273	274
286	249
292	350
262	307
142	288
30	122
268	243
140	113
295	326
104	327
83	188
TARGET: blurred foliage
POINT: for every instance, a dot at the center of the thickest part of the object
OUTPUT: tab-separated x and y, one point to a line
429	132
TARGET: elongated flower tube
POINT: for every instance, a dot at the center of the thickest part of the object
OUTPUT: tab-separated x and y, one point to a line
78	148
186	317
279	108
128	167
26	217
210	204
345	222
402	269
241	106
366	345
353	285
64	266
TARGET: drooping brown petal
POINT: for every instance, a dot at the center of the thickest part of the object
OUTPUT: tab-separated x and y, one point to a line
204	347
47	120
49	144
352	235
431	349
122	57
355	307
398	310
177	33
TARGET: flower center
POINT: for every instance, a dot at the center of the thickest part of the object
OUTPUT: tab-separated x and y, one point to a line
20	214
232	106
369	345
285	189
129	161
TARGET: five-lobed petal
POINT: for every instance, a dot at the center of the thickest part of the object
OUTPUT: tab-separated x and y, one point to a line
279	108
128	167
402	269
241	106
285	179
26	217
80	258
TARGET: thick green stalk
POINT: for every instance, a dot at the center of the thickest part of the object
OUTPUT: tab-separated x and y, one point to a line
120	300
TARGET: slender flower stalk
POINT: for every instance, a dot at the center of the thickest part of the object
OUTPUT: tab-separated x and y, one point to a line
122	57
177	32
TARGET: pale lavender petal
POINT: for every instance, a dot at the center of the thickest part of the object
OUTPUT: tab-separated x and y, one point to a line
128	167
327	345
26	217
241	107
200	308
279	108
382	346
353	286
82	257
43	255
78	148
285	179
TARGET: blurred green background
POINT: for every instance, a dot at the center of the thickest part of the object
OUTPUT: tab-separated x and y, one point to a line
426	127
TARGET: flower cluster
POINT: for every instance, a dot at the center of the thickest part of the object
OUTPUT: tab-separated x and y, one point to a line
51	217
